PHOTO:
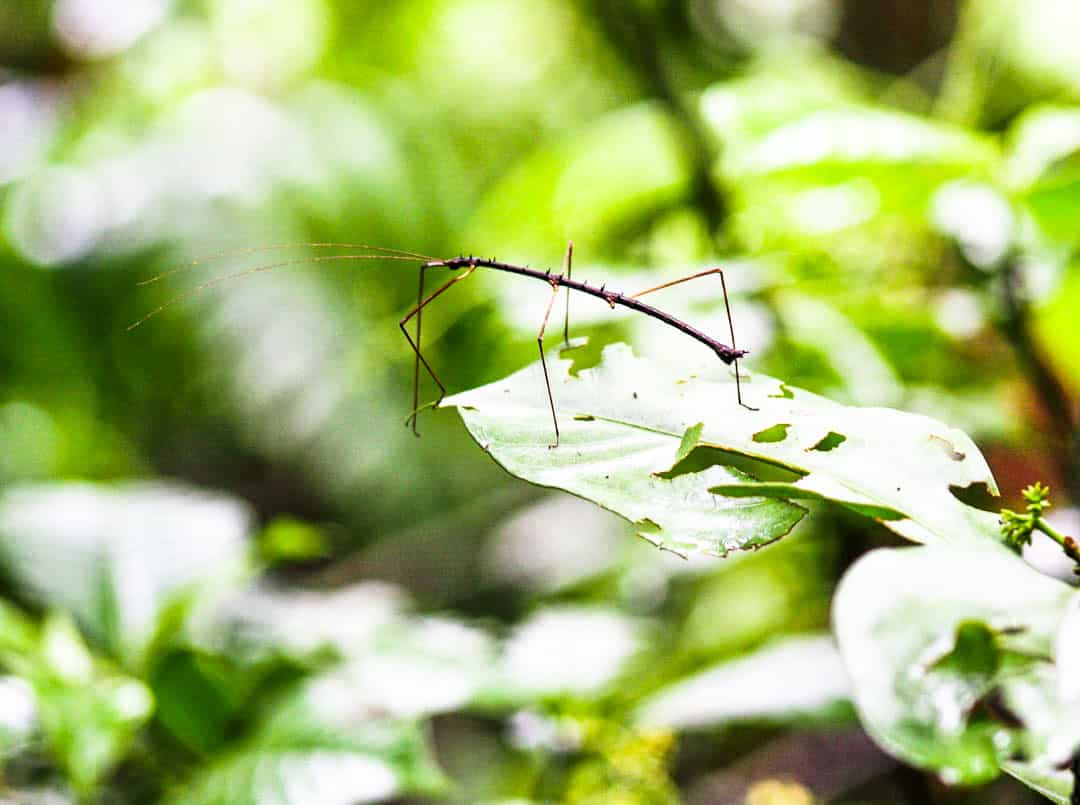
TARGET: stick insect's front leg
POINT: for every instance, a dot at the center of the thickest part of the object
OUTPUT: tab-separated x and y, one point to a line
420	359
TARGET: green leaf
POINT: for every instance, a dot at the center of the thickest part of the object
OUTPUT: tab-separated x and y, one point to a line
623	423
119	558
89	714
1054	784
840	141
286	539
755	687
581	184
855	182
959	659
1043	168
298	757
777	88
616	440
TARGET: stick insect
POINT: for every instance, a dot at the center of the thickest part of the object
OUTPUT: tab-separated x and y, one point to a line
463	267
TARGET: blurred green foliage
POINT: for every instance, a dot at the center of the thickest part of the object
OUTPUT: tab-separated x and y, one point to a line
231	575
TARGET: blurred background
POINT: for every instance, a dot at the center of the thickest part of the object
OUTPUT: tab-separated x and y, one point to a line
231	575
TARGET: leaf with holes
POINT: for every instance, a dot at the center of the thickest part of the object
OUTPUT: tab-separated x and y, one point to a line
962	661
658	444
614	447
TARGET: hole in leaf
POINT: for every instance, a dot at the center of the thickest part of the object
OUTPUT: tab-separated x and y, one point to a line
948	448
831	441
585	353
974	652
704	456
647	526
977	495
689	441
777	433
785	393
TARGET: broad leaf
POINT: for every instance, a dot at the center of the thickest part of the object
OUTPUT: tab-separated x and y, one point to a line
580	184
657	444
840	139
961	660
756	687
89	714
1044	168
304	766
1056	785
617	437
118	557
855	181
319	745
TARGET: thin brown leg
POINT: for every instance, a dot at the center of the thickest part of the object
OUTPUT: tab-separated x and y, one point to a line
416	360
566	272
727	306
416	347
543	363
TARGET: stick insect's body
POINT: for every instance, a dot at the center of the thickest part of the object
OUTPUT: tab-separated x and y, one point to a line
729	354
463	267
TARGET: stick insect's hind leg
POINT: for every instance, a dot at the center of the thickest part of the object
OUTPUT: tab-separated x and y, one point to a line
420	359
543	363
566	272
727	307
731	329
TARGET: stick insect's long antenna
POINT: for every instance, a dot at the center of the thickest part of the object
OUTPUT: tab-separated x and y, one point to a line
727	306
278	247
416	347
256	270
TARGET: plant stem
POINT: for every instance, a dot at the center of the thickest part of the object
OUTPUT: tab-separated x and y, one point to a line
1068	544
1016	326
635	36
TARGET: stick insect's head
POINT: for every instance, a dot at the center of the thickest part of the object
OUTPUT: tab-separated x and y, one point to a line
454	263
727	354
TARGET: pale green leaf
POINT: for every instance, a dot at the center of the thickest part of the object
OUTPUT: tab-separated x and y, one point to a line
1043	168
952	657
623	423
1055	784
1039	139
581	185
300	756
755	687
618	434
90	715
853	181
117	557
834	139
